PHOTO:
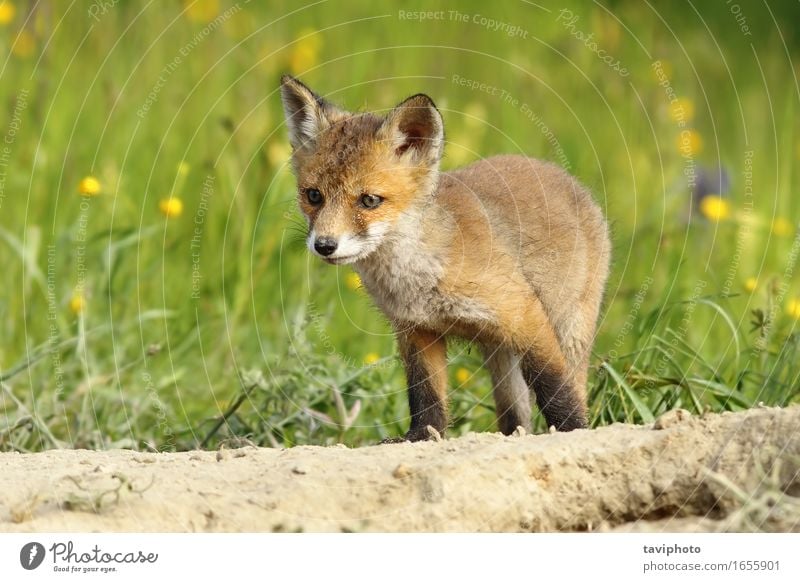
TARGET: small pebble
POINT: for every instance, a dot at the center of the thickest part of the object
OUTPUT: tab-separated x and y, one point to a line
671	418
144	459
401	471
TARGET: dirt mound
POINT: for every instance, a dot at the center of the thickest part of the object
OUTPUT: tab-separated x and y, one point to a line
720	472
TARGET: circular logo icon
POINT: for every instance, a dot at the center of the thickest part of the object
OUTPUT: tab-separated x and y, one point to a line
31	555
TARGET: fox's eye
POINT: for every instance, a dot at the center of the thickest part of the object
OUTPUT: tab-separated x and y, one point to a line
370	200
313	196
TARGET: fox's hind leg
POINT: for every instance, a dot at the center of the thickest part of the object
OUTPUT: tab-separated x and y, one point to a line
548	372
576	332
561	403
511	395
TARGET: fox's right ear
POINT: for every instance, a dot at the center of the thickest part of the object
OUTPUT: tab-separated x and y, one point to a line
307	114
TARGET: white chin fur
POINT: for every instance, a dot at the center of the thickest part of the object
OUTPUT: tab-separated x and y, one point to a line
351	248
341	261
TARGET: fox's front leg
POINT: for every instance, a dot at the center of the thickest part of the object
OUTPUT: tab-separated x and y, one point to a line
425	358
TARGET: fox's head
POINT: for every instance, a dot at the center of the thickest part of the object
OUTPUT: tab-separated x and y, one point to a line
359	173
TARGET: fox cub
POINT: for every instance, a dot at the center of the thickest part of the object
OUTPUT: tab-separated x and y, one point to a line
509	252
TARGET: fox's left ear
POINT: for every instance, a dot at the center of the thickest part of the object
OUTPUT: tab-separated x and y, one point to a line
416	130
307	114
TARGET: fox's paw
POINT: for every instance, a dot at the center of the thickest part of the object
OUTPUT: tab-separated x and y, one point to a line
428	433
393	440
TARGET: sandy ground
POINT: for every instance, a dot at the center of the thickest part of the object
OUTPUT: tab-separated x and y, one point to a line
721	472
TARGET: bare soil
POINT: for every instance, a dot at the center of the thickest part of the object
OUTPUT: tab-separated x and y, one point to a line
727	472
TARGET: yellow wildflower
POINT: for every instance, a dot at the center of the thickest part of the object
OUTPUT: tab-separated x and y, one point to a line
305	51
77	303
474	116
201	10
353	281
715	208
171	207
689	142
682	110
371	358
793	308
782	227
7	12
89	186
310	37
462	375
461	151
24	44
751	284
278	153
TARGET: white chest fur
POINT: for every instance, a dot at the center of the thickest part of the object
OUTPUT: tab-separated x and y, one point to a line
403	276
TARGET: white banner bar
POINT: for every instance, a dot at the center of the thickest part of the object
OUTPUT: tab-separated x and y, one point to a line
401	557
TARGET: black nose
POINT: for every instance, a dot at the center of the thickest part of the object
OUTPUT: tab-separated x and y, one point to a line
325	245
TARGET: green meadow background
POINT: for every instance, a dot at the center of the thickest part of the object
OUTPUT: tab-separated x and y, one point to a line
156	290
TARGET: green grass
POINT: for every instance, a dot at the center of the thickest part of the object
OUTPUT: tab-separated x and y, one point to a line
216	326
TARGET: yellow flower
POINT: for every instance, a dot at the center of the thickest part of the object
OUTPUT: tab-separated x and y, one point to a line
371	358
474	116
715	208
311	38
7	12
689	142
682	110
201	10
302	59
89	186
793	308
183	169
751	284
24	44
305	51
462	375
278	153
782	227
461	150
353	281
77	303
171	207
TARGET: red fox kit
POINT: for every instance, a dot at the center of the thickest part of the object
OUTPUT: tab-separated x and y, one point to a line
509	252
